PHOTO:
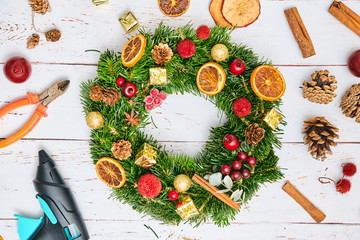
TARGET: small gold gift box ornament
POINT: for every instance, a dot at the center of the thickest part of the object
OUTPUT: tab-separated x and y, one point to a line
146	157
158	76
129	22
187	209
273	118
100	2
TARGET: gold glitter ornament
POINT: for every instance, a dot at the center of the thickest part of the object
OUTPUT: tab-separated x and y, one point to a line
273	118
182	183
94	120
219	52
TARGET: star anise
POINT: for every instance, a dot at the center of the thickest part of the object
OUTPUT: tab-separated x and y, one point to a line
132	118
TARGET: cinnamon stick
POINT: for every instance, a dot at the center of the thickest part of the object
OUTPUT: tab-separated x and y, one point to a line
299	31
213	190
345	15
314	212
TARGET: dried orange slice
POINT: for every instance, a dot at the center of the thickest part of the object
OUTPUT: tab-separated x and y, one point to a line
174	8
110	172
133	50
267	83
210	78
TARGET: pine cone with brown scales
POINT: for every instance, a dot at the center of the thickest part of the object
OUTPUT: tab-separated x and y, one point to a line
162	53
350	103
111	96
33	41
254	134
53	35
121	149
319	135
97	93
321	88
40	6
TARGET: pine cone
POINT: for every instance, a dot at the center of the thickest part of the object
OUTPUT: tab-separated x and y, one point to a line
321	88
121	149
97	93
320	135
40	6
350	102
254	134
111	96
162	53
53	35
33	41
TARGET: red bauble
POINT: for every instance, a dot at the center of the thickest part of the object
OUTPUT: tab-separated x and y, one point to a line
17	69
173	195
231	142
186	48
162	95
237	66
236	164
251	161
203	32
149	185
157	101
154	92
178	204
242	156
343	186
235	175
349	169
128	89
245	173
225	169
120	81
353	63
149	106
242	107
148	99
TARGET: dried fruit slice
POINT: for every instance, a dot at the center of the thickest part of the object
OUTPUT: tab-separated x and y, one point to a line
215	11
210	78
110	172
267	83
133	50
174	8
241	12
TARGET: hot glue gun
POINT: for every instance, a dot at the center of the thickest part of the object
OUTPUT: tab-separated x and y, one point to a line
62	219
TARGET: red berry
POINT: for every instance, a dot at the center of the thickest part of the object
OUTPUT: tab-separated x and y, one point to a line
157	101
236	164
203	32
251	161
235	175
128	89
17	69
225	169
343	186
349	169
162	95
353	63
186	48
148	99
178	204
120	81
231	142
242	156
149	106
173	195
245	173
242	107
237	67
154	92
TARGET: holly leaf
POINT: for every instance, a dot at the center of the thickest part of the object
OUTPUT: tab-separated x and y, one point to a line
215	179
228	183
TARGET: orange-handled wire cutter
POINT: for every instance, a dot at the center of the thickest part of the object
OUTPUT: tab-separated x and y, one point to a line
45	98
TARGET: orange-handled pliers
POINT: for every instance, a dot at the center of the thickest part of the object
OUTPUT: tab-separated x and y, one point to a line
45	98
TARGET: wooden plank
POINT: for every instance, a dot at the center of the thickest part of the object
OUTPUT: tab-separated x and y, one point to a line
82	22
270	205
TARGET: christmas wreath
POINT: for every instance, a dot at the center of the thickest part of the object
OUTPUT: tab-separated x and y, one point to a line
238	157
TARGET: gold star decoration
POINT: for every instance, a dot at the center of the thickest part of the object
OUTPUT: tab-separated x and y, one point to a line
132	118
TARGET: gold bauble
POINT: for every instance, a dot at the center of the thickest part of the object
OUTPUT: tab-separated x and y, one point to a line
219	52
94	120
182	183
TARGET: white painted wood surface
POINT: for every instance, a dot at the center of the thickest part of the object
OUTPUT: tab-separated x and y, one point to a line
182	127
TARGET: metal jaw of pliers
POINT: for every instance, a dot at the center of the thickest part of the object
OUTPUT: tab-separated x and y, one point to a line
45	98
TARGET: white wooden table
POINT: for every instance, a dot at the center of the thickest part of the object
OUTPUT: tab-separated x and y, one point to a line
183	121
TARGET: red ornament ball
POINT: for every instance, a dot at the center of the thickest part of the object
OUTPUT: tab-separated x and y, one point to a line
154	92
203	32
343	186
236	164
353	63
225	169
251	161
235	175
245	173
149	107
178	204
186	48
242	107
149	185
242	156
128	89
349	169
173	195
157	101
162	95
120	81
231	141
237	66
17	69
